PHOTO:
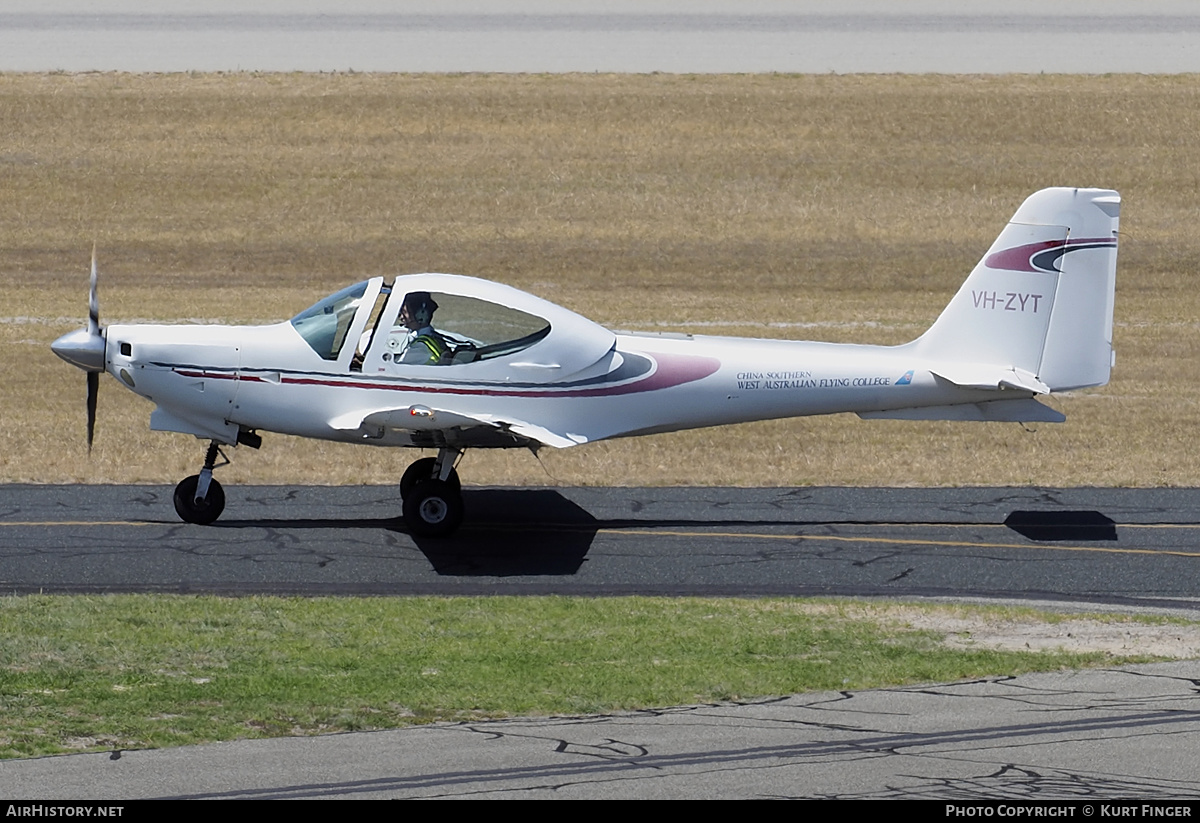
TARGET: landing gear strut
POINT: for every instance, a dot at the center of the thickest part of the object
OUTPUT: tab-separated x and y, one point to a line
200	499
432	493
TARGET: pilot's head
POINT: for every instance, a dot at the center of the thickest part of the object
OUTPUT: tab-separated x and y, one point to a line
416	312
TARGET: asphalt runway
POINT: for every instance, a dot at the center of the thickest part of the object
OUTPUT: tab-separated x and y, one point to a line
1127	547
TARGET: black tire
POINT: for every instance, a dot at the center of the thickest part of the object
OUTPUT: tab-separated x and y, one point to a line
423	470
433	508
199	513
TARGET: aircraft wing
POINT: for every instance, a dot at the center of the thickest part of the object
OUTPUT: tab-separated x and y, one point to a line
432	427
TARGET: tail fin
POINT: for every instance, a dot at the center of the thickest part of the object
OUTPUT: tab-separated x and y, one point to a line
1039	305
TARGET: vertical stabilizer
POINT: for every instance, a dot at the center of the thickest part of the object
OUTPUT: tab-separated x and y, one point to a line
1040	302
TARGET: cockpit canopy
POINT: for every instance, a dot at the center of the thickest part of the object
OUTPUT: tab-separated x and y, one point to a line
474	326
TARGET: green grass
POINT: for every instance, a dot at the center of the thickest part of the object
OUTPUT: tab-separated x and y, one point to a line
87	673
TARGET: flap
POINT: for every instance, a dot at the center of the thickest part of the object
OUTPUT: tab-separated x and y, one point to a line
466	430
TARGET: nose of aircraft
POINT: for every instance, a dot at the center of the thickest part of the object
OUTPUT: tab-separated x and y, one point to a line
82	348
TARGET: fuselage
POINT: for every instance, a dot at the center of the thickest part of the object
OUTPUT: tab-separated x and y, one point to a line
212	381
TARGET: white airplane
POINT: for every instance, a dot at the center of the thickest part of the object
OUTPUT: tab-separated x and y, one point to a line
439	361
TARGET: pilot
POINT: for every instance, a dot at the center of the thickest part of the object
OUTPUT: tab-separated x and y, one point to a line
425	347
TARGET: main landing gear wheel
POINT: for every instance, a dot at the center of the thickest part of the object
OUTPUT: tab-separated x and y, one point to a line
423	470
433	508
200	512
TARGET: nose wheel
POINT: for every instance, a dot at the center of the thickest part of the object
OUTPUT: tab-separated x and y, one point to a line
200	499
199	510
432	493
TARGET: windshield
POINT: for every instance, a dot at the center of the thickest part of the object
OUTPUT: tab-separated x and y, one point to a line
324	325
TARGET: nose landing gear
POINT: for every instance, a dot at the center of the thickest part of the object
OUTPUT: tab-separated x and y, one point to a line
200	499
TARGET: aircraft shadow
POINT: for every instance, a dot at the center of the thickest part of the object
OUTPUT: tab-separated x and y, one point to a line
528	532
539	532
1068	525
508	532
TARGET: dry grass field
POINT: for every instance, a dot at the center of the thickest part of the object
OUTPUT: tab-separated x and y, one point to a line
823	207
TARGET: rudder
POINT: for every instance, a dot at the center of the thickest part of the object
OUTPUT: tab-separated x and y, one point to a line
1040	302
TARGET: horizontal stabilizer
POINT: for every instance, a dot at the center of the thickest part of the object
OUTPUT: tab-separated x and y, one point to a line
975	376
1026	410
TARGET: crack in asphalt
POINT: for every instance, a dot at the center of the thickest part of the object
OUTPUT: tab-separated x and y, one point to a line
618	758
1012	781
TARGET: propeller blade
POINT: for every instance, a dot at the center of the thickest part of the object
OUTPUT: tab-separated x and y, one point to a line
93	389
93	299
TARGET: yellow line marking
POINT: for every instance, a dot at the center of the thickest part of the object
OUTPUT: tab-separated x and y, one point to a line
960	544
1158	525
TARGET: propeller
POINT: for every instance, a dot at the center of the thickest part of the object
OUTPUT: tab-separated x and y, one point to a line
85	348
93	377
93	299
93	389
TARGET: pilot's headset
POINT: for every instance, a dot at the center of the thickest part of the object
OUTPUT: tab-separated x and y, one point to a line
421	306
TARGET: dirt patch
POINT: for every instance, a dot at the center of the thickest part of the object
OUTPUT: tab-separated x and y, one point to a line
963	628
1175	640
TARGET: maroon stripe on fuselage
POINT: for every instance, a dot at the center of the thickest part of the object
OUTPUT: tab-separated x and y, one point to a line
672	370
